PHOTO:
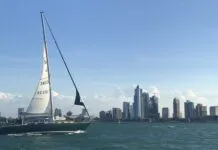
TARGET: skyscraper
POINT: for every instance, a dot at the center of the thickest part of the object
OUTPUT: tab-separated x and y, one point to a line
145	105
176	108
126	112
20	112
102	115
214	111
131	112
137	103
57	112
109	115
204	111
153	110
189	109
165	113
116	113
198	110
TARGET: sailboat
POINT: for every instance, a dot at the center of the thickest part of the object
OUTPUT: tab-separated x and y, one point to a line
39	117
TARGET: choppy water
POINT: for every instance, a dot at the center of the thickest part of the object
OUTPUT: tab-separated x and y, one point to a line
114	136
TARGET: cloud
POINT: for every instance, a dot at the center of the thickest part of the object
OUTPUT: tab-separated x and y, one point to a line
6	96
59	96
191	95
55	94
153	90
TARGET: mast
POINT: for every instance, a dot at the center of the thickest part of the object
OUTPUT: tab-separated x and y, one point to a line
78	98
45	45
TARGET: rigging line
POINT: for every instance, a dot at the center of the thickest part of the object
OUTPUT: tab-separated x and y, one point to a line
63	59
59	51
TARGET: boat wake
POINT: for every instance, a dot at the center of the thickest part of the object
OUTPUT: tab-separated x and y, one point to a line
171	126
76	132
48	133
16	135
25	134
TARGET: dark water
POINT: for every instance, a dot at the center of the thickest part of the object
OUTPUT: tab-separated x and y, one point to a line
132	136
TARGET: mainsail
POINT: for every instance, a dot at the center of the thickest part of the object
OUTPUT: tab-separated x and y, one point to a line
41	102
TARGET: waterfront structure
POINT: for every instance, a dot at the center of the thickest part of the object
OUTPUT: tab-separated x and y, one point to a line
198	110
137	103
131	112
145	105
116	113
214	111
189	109
204	111
20	112
102	115
176	108
165	113
57	112
126	111
153	107
109	115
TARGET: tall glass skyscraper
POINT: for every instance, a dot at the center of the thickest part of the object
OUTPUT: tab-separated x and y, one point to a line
189	109
145	105
137	103
126	112
176	108
153	110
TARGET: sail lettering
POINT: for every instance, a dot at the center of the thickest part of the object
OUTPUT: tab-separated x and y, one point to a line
44	82
42	92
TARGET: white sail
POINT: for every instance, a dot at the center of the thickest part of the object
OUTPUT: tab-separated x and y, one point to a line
41	101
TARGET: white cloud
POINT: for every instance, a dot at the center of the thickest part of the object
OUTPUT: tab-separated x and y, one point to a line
55	94
191	95
153	90
6	96
59	96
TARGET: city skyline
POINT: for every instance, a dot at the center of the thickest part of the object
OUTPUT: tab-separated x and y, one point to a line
145	106
169	48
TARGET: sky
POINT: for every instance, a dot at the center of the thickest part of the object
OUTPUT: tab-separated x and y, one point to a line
167	47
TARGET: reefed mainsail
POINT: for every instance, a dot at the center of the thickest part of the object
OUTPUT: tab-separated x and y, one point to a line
41	103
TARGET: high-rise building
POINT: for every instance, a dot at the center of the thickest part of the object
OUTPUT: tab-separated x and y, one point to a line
102	115
126	112
145	105
57	112
137	103
214	111
116	113
153	107
198	110
176	108
20	112
189	109
109	116
204	111
165	113
131	112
